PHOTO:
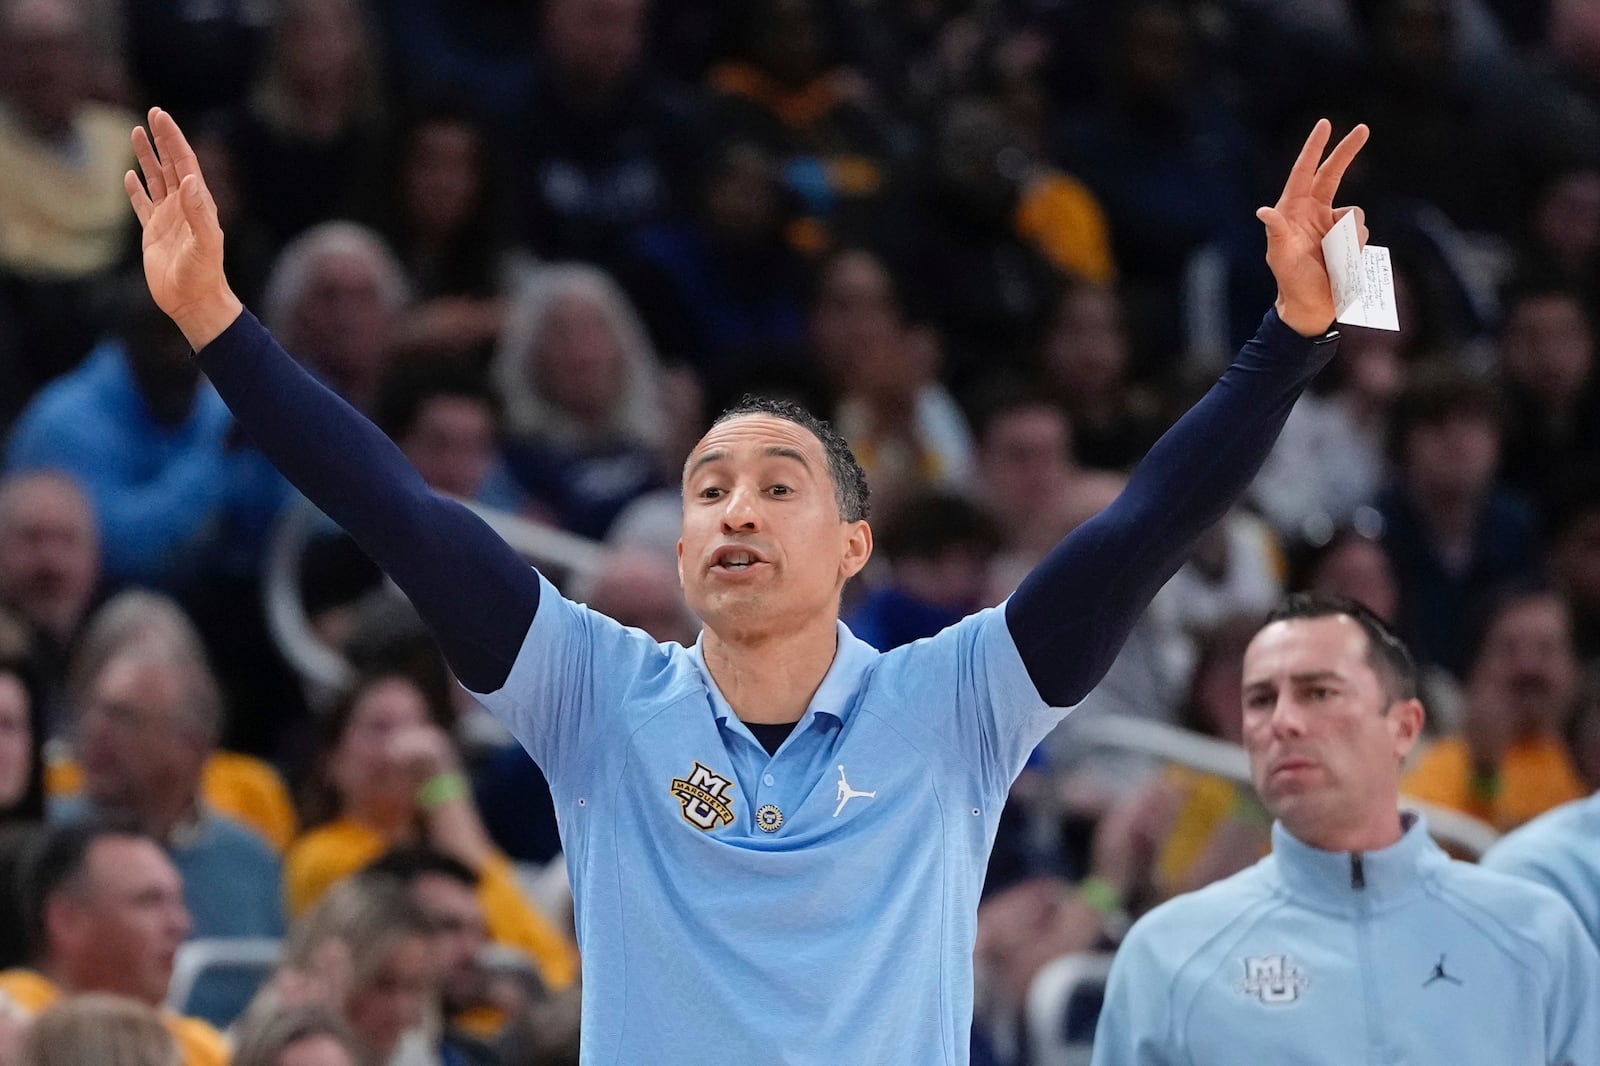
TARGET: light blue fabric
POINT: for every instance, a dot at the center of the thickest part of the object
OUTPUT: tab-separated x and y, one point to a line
1560	848
160	493
843	936
1427	960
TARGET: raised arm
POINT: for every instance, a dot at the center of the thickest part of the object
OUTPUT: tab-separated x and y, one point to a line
475	593
1071	615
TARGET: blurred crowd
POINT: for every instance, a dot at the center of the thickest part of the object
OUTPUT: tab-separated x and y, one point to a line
1001	243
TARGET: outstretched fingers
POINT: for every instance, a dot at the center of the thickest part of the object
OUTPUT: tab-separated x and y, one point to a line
1326	183
174	148
1304	172
149	165
138	197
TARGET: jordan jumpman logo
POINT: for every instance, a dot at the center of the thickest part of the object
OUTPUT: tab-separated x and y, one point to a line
846	793
1440	975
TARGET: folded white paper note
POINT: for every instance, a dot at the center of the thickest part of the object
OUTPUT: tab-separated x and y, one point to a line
1363	278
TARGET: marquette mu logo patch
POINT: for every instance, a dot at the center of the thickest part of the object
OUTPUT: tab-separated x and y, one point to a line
704	796
1273	979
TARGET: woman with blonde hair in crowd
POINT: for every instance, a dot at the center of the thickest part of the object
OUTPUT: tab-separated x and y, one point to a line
366	952
95	1029
583	393
309	1035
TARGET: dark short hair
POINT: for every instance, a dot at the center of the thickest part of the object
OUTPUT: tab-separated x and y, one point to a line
926	526
410	862
1387	654
55	862
1436	394
410	385
849	480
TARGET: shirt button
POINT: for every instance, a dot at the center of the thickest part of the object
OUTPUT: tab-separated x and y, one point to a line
769	780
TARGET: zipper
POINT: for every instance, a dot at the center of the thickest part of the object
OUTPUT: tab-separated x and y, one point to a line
1358	871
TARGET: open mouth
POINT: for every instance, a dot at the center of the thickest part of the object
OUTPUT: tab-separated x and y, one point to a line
735	560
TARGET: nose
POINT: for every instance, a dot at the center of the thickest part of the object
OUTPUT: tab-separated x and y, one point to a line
1287	719
740	514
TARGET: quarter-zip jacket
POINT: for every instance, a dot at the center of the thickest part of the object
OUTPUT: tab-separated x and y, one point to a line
1395	956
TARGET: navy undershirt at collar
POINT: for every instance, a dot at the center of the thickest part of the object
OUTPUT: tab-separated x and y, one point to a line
771	735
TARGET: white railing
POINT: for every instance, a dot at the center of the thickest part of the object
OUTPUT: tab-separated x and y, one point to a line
1209	755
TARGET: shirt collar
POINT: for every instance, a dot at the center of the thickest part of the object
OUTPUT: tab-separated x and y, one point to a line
834	697
1346	880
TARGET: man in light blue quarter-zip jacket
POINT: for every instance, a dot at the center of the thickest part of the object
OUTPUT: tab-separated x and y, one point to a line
1560	848
1357	940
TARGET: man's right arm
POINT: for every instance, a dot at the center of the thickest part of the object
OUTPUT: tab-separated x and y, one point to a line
476	594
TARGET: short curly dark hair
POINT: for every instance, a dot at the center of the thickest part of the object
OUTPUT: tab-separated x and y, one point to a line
849	480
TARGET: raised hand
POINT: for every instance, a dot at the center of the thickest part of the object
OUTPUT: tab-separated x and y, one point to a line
182	237
1296	225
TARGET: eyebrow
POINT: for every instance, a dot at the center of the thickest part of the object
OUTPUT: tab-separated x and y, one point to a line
773	451
1298	679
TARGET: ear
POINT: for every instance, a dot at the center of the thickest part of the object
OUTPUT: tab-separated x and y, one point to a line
857	550
680	562
1405	725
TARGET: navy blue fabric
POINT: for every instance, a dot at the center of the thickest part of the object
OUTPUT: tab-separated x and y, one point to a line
1068	618
1071	615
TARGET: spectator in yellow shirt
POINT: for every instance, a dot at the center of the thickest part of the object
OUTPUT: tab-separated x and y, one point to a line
1510	761
389	776
104	910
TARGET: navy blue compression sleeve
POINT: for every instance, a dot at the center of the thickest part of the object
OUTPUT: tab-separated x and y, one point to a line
475	593
1071	615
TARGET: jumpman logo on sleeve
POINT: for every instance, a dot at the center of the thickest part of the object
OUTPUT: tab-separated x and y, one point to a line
846	793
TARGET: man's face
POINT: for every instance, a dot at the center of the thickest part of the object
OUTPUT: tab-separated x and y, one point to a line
49	552
341	320
47	60
1025	460
854	313
1325	739
462	934
1455	457
451	444
1528	666
138	739
1548	348
763	544
597	43
120	930
16	740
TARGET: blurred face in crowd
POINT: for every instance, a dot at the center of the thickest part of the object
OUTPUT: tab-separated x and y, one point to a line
319	1049
1548	347
442	181
49	551
1156	53
855	312
1528	665
742	196
381	1008
46	73
1357	568
787	41
595	43
1567	218
451	444
321	45
764	547
1086	351
1575	560
1324	736
1025	459
640	589
118	929
342	320
462	934
363	769
578	361
1454	458
16	740
140	737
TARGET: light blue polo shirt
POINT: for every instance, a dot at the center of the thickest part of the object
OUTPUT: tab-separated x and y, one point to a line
815	906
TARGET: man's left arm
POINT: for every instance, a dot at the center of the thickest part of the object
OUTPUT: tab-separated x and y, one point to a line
1071	615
